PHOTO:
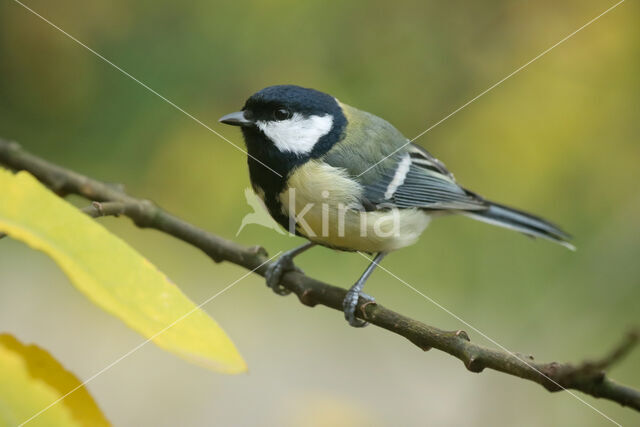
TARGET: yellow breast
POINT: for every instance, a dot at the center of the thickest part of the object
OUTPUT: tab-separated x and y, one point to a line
325	204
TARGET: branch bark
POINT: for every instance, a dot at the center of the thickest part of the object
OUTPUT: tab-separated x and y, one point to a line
588	377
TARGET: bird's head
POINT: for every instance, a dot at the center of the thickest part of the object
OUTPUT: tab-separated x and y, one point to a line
291	122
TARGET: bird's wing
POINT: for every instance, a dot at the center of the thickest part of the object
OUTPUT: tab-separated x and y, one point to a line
394	172
423	158
419	180
410	178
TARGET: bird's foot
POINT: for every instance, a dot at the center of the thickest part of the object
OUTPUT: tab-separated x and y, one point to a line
277	270
349	305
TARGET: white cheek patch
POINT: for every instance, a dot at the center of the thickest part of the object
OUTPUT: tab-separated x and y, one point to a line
298	134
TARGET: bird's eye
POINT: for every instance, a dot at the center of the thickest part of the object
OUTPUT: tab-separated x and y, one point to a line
281	114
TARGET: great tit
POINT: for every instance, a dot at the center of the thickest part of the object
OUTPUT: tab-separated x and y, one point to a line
348	180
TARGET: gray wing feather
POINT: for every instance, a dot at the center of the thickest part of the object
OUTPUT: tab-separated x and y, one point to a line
423	187
421	157
427	183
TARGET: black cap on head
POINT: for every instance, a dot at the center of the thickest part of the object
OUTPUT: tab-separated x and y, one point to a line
264	103
292	147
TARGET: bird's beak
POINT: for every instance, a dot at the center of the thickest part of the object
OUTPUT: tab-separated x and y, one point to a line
236	119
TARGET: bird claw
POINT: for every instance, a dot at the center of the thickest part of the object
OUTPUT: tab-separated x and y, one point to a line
349	305
276	271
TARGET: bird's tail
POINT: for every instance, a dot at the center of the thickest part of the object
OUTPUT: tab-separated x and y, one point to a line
504	216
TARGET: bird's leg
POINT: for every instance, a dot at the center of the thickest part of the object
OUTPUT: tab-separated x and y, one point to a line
277	269
351	300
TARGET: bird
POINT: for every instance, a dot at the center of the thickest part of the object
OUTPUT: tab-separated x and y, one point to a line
348	180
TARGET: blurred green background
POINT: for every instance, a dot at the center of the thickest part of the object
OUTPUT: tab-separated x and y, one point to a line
559	139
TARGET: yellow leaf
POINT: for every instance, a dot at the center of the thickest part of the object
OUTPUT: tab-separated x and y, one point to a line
31	379
112	274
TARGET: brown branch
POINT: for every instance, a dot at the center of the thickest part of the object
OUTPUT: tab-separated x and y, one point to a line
588	377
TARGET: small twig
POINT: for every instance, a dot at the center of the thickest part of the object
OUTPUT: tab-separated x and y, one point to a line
98	209
593	371
618	353
588	377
